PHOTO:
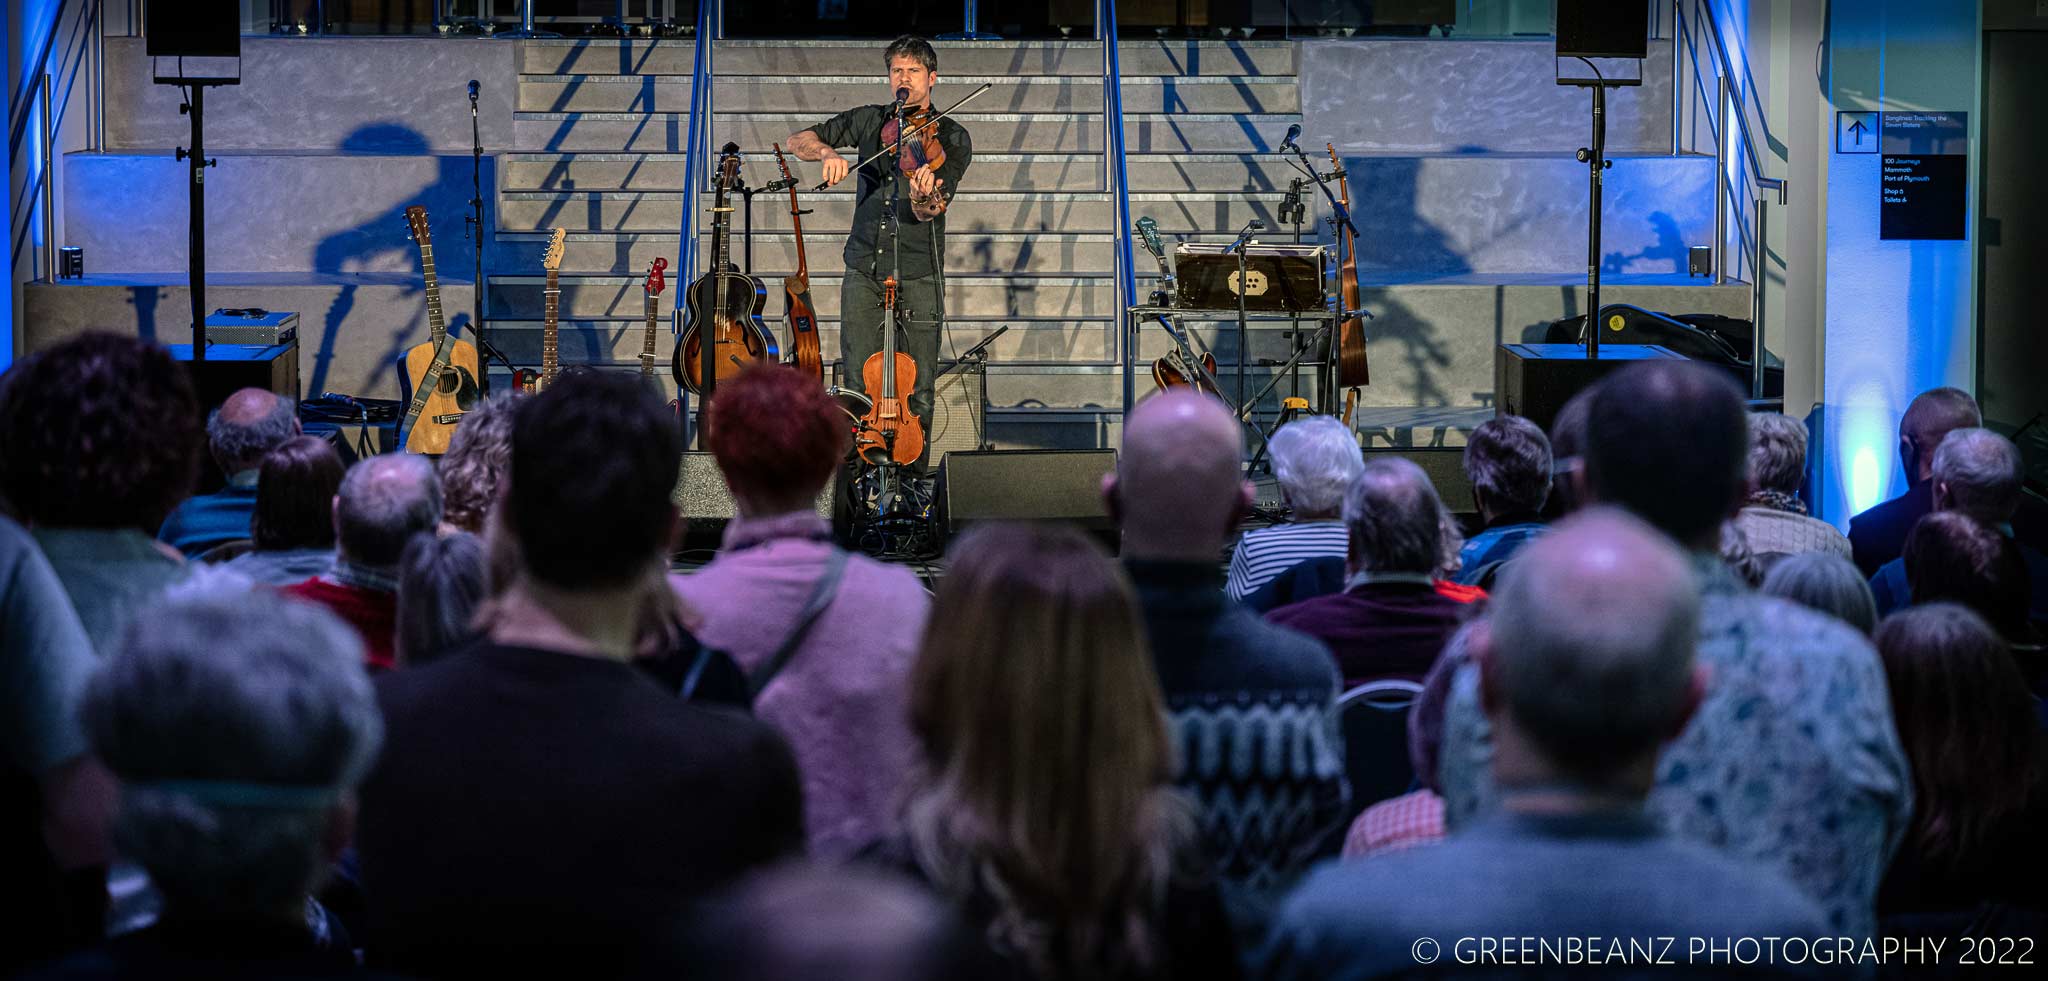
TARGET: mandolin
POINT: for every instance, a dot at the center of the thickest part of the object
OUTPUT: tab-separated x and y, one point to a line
1179	366
526	379
652	305
1351	366
724	303
891	432
443	370
796	291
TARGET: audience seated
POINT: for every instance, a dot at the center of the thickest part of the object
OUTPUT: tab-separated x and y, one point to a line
440	586
1417	817
541	806
1044	809
293	527
1791	759
383	502
1236	688
1390	620
1827	582
1953	557
99	440
800	922
838	690
1586	668
1774	521
1508	461
239	724
475	463
52	834
251	423
1878	535
1315	459
1978	473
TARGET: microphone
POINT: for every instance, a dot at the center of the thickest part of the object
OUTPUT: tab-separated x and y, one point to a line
1254	225
902	96
1288	143
472	90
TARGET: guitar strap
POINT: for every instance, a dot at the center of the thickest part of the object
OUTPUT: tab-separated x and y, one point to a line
429	381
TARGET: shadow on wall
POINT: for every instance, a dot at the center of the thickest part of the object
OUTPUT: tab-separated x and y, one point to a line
1666	255
1398	245
350	250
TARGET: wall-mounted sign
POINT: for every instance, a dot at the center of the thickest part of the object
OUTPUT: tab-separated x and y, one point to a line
1925	179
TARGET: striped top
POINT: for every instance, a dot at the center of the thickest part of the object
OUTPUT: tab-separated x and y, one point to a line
1263	553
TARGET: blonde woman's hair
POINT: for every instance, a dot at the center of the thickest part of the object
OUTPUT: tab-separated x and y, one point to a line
1047	756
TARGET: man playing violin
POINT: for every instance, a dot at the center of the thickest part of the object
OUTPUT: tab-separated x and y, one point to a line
923	192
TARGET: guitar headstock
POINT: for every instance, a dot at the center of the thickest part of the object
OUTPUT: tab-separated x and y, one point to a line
1148	230
551	260
655	283
783	163
416	223
1332	147
729	165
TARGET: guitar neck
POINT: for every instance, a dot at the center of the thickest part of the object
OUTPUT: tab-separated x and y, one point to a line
435	325
550	334
647	351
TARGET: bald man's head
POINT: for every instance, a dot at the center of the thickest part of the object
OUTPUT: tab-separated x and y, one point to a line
1932	416
1177	491
1590	643
251	423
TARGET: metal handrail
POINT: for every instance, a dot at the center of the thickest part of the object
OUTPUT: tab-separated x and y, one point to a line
1117	182
695	151
1726	70
36	100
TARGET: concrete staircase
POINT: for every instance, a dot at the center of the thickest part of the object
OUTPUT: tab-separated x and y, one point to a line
601	126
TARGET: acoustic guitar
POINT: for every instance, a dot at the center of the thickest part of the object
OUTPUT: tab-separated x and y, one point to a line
528	380
796	290
724	305
443	370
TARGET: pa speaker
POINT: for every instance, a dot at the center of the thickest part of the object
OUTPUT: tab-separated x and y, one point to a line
1445	466
229	368
1534	381
707	505
1024	485
1602	29
193	30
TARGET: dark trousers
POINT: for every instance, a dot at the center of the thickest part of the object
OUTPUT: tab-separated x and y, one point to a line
919	320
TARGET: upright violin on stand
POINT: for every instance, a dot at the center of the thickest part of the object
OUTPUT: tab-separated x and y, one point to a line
891	432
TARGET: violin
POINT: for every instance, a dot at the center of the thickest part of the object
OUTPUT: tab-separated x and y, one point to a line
889	432
922	149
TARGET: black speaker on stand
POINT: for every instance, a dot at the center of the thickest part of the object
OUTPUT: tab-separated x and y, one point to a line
194	30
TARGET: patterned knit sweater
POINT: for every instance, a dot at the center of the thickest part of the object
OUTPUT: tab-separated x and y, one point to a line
1253	708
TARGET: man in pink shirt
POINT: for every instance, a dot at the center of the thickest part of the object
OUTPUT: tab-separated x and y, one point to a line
838	693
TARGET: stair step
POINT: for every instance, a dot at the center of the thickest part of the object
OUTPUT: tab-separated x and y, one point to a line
1078	132
824	95
967	297
994	171
640	56
775	252
971	212
1408	96
620	342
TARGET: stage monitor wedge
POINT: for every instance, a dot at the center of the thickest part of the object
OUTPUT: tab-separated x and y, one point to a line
193	30
1025	485
1602	29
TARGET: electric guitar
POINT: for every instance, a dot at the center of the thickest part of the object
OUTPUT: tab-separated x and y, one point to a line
1179	366
528	380
655	284
443	370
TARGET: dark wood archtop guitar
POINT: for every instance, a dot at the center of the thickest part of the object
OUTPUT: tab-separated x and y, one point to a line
724	305
1351	365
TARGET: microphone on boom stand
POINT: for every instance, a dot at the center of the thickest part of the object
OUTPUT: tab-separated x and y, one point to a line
1287	145
902	96
1245	235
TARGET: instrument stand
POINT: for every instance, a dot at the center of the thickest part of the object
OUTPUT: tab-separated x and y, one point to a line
746	222
1244	411
1294	212
473	227
1340	222
1595	159
195	106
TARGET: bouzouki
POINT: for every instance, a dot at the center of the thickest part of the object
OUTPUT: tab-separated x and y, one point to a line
652	305
527	379
890	431
1179	366
443	370
1351	366
724	304
796	291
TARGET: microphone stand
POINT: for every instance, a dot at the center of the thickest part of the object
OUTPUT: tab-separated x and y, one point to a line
473	226
893	315
1243	326
1293	212
1340	221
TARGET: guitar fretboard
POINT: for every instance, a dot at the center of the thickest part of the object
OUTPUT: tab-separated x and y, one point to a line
647	353
550	333
435	323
